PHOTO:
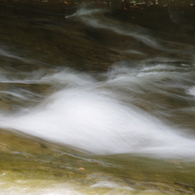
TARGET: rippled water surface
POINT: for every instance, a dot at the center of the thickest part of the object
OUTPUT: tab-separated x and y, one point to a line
97	99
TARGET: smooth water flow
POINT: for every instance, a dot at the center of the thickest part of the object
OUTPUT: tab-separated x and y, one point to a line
96	100
88	115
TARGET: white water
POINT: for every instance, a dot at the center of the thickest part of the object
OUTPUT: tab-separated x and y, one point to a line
87	16
87	114
99	113
135	108
44	187
191	91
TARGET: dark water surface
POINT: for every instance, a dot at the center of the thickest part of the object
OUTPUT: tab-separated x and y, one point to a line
97	99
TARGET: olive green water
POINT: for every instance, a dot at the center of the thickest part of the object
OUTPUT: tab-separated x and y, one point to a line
30	165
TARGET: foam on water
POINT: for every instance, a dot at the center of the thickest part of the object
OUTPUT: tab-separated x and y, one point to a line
88	114
99	124
45	187
191	91
88	16
10	55
109	184
13	56
41	187
129	32
68	76
84	11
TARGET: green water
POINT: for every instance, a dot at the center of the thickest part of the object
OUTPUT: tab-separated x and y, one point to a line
32	166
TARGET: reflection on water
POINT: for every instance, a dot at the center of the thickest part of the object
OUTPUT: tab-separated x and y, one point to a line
96	101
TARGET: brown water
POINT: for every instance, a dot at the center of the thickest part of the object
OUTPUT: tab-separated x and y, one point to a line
97	99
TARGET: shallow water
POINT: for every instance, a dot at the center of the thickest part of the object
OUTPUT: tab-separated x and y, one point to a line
95	102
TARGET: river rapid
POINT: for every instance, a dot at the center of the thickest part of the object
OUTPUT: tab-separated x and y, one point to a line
97	100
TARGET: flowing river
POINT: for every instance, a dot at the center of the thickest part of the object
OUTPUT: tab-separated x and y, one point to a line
97	99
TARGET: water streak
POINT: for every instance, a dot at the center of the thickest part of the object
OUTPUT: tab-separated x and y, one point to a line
87	115
88	16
